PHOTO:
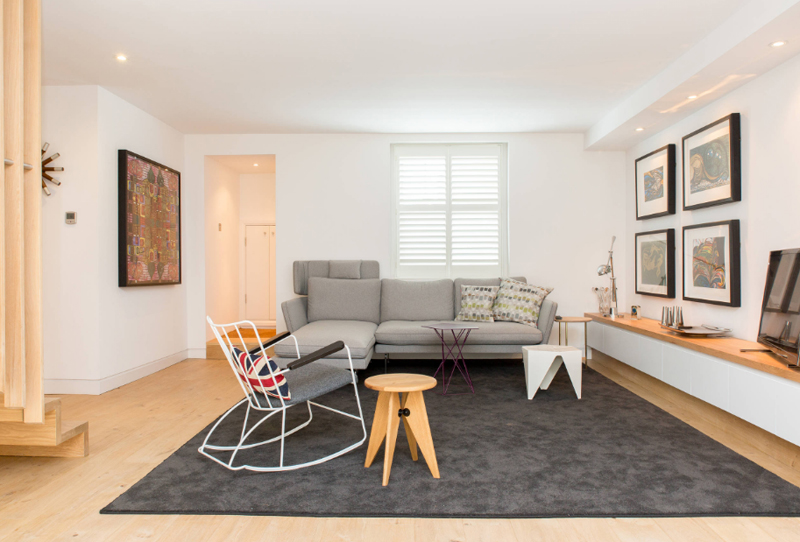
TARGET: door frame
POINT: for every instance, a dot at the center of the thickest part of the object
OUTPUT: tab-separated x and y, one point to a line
243	271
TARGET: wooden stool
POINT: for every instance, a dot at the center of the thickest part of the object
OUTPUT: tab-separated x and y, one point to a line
388	412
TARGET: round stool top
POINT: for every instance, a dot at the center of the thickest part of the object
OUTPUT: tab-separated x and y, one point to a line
400	382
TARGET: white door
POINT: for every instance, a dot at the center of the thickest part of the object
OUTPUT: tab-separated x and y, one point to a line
258	279
273	301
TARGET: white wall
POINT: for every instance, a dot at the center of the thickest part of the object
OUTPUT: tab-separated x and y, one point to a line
333	202
222	247
257	198
770	118
97	335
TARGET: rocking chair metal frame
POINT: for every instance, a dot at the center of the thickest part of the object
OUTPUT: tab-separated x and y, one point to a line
274	405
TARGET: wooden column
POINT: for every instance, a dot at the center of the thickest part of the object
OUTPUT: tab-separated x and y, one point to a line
2	225
14	385
32	199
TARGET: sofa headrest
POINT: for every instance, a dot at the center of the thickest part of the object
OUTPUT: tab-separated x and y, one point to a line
334	269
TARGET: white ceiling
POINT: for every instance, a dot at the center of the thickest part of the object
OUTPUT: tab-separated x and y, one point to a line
246	163
291	66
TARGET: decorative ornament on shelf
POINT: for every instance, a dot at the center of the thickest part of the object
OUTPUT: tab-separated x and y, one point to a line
47	170
608	268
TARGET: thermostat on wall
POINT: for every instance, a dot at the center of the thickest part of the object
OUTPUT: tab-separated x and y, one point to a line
72	217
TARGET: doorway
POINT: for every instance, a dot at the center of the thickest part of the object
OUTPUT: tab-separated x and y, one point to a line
240	238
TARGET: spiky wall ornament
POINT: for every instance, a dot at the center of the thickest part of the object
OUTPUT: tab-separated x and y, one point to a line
47	170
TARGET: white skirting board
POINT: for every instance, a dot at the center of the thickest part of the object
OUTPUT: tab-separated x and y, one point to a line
769	402
100	386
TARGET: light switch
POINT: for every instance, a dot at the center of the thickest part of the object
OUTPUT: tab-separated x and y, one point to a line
72	217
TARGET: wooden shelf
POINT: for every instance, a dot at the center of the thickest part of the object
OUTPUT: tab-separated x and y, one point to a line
727	348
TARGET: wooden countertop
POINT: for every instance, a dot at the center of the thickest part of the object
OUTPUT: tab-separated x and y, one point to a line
727	348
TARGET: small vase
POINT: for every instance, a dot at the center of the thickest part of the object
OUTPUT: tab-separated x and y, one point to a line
604	299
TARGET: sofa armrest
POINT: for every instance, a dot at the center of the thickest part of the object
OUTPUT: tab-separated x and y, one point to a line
295	312
547	316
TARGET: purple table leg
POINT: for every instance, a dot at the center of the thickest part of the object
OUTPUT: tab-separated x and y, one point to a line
456	354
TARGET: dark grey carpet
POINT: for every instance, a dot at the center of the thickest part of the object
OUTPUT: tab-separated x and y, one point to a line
500	455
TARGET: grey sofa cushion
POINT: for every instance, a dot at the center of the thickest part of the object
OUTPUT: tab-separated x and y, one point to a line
474	282
309	382
401	332
343	299
416	300
344	269
358	336
304	269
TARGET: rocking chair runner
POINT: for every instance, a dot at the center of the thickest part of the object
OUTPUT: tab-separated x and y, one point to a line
306	382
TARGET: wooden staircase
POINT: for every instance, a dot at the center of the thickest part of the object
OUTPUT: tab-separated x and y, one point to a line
53	438
30	423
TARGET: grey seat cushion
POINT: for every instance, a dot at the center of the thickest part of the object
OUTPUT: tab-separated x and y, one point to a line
401	332
416	300
309	382
358	336
344	299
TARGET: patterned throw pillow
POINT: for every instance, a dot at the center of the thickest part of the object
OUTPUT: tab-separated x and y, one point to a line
477	303
519	302
248	366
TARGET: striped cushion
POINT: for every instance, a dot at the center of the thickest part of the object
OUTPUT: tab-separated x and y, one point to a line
258	372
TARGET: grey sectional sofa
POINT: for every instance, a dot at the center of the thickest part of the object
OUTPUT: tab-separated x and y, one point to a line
374	316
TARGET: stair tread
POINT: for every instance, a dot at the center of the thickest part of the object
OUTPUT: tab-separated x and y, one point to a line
71	428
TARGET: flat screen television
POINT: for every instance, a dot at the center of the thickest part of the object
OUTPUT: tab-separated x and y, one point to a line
780	311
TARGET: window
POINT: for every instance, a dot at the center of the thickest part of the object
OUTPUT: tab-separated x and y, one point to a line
449	210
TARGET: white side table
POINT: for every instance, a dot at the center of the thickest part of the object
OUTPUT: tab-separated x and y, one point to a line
542	363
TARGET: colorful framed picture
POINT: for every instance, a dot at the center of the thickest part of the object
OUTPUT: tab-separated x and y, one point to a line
655	183
149	222
655	263
712	172
711	263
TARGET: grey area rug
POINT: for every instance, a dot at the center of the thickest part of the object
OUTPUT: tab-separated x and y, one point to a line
610	454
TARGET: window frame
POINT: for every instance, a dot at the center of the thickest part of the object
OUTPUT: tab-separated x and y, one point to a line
501	148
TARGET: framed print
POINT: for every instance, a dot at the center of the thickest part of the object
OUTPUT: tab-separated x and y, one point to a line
711	266
655	183
149	222
655	263
712	172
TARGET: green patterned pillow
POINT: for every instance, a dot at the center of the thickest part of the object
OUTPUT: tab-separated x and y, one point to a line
519	302
477	303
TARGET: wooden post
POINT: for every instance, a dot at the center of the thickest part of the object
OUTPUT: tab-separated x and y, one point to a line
32	196
2	222
14	385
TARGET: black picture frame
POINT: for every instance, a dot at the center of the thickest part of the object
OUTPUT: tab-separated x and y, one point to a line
734	275
122	225
735	163
669	238
670	155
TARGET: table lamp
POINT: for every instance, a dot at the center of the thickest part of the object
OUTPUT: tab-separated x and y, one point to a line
605	269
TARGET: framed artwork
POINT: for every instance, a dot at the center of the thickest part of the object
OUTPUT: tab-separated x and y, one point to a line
655	263
712	172
711	266
149	222
655	183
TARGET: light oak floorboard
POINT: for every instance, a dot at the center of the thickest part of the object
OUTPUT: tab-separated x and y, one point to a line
136	427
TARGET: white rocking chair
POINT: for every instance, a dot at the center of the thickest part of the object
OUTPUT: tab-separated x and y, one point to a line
306	382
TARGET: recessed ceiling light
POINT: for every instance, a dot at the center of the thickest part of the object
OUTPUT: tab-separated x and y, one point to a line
255	165
777	44
692	97
639	129
122	58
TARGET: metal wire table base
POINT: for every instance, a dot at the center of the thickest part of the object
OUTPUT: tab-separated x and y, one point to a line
453	353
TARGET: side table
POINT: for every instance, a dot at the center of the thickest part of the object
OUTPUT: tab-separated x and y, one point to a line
566	320
460	333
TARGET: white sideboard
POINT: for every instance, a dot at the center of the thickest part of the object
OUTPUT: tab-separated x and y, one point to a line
768	401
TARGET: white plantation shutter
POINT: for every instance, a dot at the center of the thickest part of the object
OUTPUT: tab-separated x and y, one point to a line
449	210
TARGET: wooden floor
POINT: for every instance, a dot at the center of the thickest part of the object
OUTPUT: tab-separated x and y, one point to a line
136	427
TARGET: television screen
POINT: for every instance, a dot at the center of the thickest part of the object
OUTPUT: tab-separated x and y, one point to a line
780	311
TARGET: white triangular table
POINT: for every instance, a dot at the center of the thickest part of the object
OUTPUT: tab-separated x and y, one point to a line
542	362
